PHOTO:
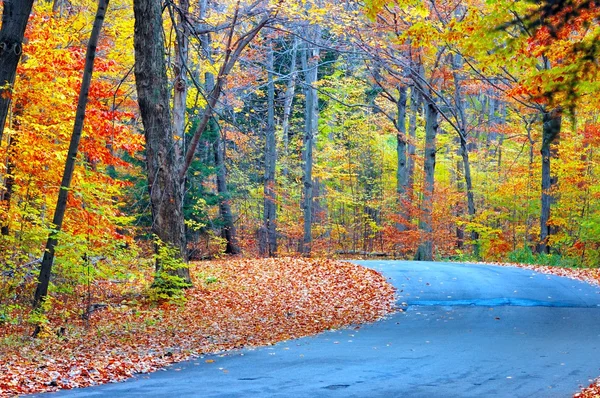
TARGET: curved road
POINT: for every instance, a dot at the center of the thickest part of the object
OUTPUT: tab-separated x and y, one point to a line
468	331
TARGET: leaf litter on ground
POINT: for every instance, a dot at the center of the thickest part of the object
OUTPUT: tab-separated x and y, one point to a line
233	304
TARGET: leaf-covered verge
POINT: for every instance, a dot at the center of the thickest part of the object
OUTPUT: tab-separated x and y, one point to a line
235	303
592	391
589	275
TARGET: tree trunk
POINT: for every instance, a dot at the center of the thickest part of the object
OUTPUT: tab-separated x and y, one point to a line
56	5
287	105
425	250
6	194
15	16
270	210
164	181
311	120
412	138
550	133
180	71
61	206
459	210
228	230
461	120
402	176
9	177
464	152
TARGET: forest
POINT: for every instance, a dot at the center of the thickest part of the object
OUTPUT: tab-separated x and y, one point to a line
139	136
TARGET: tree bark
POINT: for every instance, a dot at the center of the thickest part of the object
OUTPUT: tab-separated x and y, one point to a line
425	250
464	152
228	231
164	182
550	134
180	89
56	5
61	206
461	120
287	105
412	134
311	122
9	183
402	176
15	16
11	161
270	209
459	210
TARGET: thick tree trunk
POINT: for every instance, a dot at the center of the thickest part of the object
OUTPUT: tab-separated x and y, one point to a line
15	16
425	250
311	122
550	133
61	206
270	210
164	181
402	176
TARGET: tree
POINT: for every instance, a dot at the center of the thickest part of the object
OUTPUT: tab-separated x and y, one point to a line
287	105
180	84
228	230
163	169
61	205
425	250
269	244
166	176
525	82
557	20
310	64
550	134
14	21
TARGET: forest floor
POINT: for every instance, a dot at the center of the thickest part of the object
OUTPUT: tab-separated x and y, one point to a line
234	303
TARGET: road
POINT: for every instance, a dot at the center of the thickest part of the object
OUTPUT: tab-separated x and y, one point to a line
467	331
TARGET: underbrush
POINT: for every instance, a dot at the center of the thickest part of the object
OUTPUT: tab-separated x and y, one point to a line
526	256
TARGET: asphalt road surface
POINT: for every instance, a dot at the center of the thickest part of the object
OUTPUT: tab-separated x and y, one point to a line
467	331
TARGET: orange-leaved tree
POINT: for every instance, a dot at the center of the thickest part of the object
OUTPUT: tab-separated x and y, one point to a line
49	81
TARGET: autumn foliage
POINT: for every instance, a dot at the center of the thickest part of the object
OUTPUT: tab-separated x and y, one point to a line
234	304
496	72
38	136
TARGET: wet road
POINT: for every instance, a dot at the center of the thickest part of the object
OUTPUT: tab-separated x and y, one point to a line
467	331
